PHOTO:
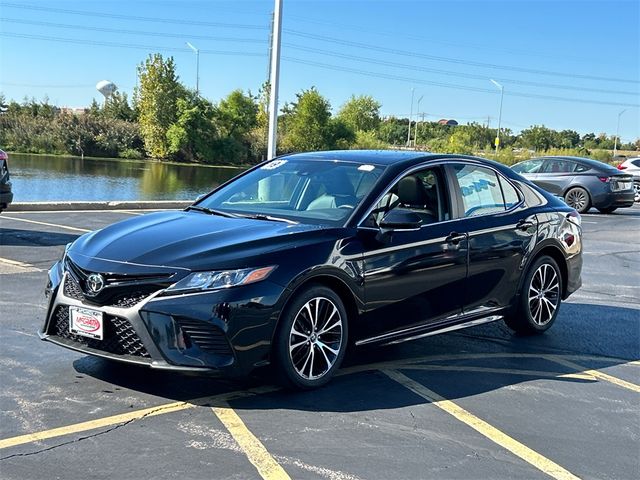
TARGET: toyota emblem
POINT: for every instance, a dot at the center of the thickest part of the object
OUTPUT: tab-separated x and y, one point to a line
95	283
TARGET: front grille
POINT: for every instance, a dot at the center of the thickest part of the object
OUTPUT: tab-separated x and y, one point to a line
205	336
119	336
116	298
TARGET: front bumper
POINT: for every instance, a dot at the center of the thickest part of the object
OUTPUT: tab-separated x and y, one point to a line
225	332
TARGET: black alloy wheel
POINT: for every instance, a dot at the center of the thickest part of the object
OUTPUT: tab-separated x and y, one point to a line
578	198
636	192
540	298
312	338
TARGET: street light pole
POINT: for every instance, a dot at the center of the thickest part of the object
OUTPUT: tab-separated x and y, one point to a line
274	79
615	140
410	115
415	137
500	114
197	67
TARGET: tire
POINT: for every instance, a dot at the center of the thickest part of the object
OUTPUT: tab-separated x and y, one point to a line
578	198
539	299
607	210
636	192
308	352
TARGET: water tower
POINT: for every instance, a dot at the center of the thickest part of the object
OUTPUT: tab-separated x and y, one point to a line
106	88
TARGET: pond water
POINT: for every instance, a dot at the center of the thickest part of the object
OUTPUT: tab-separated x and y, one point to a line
39	178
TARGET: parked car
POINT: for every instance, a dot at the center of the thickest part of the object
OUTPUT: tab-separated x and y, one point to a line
6	195
632	166
582	182
288	262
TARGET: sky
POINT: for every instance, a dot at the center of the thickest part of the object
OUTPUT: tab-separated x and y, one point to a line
566	64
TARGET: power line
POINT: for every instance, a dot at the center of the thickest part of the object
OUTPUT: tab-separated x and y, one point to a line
449	85
136	18
452	60
128	45
431	40
451	73
133	32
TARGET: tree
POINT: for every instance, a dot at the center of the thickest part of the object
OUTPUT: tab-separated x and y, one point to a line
306	123
537	137
193	136
237	114
157	102
117	107
567	139
361	113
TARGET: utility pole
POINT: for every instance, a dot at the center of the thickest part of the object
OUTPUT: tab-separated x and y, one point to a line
415	137
615	140
410	115
197	67
500	114
274	78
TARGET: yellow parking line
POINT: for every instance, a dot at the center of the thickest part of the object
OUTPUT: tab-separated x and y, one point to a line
129	416
492	433
18	264
255	451
599	375
47	224
508	371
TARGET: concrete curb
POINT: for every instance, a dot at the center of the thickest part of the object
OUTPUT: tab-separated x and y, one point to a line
124	205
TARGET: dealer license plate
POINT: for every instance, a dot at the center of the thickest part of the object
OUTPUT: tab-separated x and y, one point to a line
85	322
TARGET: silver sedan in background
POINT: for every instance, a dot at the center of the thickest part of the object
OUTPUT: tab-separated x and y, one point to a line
632	166
582	182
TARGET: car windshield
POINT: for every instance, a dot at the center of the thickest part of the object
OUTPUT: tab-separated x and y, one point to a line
301	190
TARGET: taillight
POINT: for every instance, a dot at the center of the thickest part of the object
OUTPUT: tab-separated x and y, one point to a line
574	217
622	167
604	179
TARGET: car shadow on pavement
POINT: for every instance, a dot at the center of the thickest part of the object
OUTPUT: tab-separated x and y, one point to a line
459	365
33	238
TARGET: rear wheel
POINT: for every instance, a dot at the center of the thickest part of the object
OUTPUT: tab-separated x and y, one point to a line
311	338
540	298
636	191
578	198
607	210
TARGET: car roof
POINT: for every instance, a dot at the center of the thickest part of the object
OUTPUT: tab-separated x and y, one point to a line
375	157
586	161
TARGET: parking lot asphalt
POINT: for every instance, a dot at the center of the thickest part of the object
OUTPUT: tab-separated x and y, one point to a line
480	403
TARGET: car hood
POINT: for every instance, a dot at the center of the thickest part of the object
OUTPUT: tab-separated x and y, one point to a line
189	240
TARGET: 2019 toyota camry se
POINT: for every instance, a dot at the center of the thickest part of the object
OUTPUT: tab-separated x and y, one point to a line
288	262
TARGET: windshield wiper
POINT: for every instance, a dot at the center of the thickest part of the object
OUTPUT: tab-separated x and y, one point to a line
262	216
210	211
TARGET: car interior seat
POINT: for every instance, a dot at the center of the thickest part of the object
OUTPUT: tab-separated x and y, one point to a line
413	196
338	193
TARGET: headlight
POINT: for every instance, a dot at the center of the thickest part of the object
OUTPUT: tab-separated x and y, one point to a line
221	279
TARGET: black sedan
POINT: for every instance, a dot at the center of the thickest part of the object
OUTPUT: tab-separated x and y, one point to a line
293	259
582	182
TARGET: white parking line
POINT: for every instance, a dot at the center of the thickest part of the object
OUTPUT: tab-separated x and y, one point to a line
83	230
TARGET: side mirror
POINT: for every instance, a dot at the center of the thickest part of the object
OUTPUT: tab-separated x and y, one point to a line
401	219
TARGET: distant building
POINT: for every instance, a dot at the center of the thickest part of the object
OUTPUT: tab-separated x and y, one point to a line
74	110
444	121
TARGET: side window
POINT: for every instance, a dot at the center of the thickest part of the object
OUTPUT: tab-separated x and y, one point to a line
581	168
530	166
509	192
558	166
422	192
636	162
480	190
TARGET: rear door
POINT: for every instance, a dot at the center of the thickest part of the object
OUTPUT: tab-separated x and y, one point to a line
501	233
556	175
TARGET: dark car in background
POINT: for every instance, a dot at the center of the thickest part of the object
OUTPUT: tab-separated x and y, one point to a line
297	257
6	195
582	182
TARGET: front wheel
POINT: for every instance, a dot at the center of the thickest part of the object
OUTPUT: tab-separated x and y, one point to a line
311	339
540	298
578	198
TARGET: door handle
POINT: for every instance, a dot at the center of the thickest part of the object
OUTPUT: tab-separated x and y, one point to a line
525	225
455	238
